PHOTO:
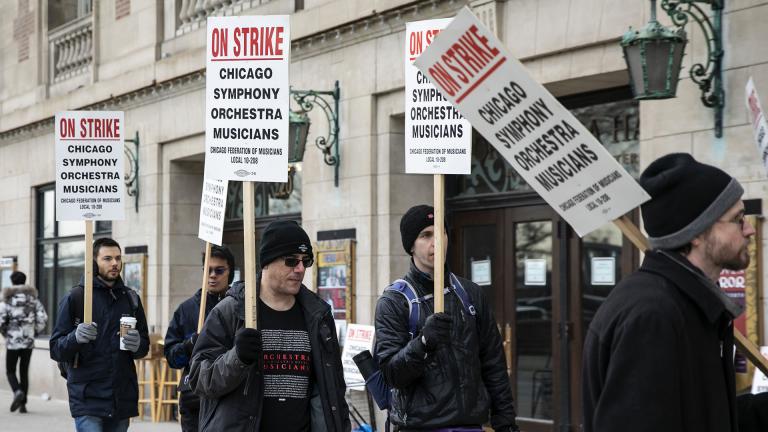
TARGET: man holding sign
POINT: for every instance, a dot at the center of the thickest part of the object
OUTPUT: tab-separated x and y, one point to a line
182	331
449	373
659	353
287	374
101	377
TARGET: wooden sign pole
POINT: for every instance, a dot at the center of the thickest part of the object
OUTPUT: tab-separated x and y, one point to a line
439	269
204	292
88	293
746	346
249	246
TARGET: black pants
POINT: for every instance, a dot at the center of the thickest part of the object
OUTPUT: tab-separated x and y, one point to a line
11	357
189	408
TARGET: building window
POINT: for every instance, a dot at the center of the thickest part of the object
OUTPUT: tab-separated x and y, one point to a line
59	250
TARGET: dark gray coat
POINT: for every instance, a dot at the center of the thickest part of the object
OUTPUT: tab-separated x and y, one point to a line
232	392
659	354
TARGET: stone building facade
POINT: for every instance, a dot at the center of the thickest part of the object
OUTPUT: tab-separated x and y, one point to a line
147	58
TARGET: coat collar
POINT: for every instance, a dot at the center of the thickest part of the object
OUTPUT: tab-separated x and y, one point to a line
310	303
692	282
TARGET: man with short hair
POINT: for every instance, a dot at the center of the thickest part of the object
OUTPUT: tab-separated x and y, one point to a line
182	331
284	376
101	377
451	375
658	355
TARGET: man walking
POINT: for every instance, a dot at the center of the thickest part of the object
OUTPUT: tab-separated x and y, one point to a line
286	376
450	375
22	317
182	331
101	376
658	355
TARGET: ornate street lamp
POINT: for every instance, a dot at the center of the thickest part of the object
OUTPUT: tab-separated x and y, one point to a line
299	125
654	55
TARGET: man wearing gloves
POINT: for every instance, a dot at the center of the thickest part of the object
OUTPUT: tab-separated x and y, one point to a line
450	374
287	375
182	330
658	355
101	377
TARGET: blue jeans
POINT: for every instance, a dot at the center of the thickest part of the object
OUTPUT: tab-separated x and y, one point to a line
100	424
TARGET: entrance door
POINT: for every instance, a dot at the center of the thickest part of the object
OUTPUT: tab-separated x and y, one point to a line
544	285
511	253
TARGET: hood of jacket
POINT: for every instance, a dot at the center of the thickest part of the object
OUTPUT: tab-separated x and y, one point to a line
19	289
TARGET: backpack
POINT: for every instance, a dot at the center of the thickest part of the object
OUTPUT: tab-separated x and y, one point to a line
375	383
76	295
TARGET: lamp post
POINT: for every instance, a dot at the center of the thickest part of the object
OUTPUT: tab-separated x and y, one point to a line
654	55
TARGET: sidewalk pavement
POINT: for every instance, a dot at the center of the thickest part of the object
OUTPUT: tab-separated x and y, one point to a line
53	416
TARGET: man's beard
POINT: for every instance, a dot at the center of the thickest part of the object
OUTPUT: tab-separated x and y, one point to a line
722	256
106	276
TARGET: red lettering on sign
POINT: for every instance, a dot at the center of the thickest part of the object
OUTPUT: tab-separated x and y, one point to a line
99	128
459	68
67	128
258	42
219	42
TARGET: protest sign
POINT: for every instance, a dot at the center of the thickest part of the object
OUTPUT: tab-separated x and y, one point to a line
759	125
246	97
544	143
213	206
359	338
438	140
89	165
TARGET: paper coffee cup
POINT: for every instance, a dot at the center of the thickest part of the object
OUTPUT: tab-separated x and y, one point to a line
126	323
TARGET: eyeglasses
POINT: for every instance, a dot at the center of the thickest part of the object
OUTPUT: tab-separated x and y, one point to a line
217	270
293	261
738	220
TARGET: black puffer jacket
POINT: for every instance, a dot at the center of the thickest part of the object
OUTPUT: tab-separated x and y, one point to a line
232	392
458	385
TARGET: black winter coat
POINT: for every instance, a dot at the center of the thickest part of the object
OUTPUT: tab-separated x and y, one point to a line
104	383
658	355
182	326
232	392
460	385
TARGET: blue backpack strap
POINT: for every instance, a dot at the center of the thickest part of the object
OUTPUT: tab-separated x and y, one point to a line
461	293
406	289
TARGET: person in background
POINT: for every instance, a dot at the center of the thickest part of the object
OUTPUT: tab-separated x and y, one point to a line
22	317
182	334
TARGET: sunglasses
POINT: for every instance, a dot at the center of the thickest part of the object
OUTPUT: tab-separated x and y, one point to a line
217	270
293	261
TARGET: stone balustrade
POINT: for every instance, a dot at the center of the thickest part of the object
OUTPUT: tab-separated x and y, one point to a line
193	13
71	49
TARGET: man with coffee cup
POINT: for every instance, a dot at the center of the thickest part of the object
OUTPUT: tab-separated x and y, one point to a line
100	372
182	330
284	376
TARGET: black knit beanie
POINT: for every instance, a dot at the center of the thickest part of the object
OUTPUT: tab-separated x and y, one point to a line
413	222
687	197
282	238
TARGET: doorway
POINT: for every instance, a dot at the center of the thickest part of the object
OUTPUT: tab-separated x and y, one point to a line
544	285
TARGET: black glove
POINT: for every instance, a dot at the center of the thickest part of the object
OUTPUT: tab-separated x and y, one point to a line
189	344
248	345
436	331
510	428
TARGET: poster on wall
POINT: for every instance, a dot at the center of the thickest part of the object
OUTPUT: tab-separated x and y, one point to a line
334	276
